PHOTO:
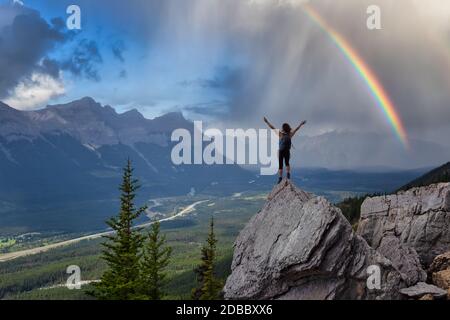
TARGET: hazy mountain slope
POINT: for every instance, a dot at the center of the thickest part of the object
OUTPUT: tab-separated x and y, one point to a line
441	174
60	166
15	124
93	124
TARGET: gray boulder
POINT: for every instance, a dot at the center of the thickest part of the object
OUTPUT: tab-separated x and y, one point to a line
418	218
405	259
421	289
299	246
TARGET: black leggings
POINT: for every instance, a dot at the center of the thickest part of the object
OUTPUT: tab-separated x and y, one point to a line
284	156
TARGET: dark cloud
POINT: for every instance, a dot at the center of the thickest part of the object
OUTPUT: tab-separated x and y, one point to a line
285	66
201	83
23	45
123	74
50	67
118	48
27	40
290	68
84	60
225	78
212	108
58	23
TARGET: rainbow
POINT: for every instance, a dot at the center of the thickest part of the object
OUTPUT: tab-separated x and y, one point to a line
376	89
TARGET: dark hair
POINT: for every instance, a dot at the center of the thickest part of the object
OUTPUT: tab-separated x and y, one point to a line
287	128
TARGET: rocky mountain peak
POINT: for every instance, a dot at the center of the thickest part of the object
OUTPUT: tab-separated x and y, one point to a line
300	246
83	102
4	108
83	105
3	105
172	116
169	122
132	114
89	122
14	124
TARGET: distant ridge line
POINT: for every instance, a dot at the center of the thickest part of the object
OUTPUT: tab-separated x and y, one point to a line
438	175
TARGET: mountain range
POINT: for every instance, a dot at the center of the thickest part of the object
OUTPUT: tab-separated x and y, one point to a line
61	166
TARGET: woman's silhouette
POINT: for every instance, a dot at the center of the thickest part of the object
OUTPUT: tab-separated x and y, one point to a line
284	152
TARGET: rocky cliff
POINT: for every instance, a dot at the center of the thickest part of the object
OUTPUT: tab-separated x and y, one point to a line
300	246
418	220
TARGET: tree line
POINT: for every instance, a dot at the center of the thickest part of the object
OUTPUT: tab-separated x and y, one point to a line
136	261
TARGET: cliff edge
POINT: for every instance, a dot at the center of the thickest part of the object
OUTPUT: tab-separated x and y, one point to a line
300	246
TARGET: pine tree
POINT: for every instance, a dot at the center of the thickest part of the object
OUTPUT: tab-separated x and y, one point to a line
122	251
155	260
209	287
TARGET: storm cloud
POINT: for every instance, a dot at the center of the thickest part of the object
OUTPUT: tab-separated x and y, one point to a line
288	67
118	48
23	44
29	75
269	58
84	60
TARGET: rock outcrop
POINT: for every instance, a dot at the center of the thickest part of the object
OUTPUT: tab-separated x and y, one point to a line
404	258
439	272
415	221
422	289
442	279
441	262
299	246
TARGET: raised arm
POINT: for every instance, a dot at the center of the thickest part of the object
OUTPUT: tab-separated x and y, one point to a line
298	128
269	124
